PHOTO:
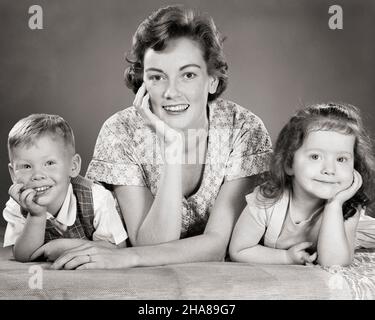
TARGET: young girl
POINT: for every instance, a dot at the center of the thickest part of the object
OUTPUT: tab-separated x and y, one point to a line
320	176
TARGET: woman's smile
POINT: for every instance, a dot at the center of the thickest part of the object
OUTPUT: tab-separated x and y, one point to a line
176	108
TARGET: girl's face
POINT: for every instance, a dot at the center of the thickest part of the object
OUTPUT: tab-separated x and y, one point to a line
178	83
323	165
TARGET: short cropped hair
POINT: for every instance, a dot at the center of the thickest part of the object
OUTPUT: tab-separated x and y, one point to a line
26	130
170	23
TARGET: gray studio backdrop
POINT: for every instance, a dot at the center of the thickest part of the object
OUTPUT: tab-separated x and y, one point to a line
281	54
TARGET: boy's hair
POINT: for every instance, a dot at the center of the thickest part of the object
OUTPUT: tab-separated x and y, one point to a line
26	130
172	22
338	117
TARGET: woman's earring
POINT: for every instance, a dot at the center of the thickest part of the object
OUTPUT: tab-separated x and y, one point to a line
213	86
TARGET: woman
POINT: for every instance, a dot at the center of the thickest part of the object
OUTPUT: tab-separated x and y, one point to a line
180	160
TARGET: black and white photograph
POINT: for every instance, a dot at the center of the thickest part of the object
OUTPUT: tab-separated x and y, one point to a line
203	151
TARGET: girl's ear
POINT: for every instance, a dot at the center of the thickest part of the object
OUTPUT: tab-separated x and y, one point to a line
214	82
11	172
288	170
76	166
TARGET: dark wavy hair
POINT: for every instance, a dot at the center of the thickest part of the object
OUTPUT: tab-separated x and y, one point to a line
174	22
338	117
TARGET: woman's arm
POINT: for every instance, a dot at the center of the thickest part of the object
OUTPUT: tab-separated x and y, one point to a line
210	246
152	220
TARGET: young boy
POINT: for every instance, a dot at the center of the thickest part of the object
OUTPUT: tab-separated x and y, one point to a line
51	207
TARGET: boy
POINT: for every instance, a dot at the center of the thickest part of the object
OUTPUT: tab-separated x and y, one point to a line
51	207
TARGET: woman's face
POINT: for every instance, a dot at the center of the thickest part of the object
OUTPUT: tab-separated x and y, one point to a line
178	83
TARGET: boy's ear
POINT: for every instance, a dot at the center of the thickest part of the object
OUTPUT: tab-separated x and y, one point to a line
11	172
214	82
76	166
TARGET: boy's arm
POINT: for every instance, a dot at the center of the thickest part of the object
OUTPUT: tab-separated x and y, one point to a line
31	238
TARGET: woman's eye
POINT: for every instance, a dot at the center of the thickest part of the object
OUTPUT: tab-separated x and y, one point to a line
189	75
155	77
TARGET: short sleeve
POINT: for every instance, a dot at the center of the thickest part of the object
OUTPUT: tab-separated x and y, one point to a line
15	222
251	149
115	160
107	222
256	215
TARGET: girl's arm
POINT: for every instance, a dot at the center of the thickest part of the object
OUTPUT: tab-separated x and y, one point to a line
336	240
210	246
245	247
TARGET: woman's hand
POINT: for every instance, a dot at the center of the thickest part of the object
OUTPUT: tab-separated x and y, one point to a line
92	256
349	192
171	140
54	248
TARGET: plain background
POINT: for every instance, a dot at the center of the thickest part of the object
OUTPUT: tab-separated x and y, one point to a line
281	55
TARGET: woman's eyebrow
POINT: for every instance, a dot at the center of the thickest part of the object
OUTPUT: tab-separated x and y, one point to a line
190	65
154	69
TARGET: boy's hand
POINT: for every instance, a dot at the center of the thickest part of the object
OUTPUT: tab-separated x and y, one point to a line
25	198
349	192
298	254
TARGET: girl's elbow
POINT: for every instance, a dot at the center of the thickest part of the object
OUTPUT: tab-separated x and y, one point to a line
338	261
234	252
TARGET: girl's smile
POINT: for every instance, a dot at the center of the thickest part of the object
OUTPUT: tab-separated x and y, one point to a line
323	165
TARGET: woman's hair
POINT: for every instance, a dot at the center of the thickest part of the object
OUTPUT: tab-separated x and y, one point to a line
27	130
174	22
338	117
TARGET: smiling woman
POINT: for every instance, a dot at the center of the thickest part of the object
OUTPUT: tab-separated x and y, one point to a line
175	210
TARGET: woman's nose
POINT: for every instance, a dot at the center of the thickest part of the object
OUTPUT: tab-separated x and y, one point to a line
171	91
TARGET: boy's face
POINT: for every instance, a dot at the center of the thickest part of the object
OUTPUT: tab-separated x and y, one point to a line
45	166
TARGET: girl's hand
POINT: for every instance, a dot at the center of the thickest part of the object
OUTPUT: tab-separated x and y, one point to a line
25	198
171	140
349	192
298	254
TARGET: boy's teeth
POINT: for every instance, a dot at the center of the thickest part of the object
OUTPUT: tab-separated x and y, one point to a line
179	107
40	189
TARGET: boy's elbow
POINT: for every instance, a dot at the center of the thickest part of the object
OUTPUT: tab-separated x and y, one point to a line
21	257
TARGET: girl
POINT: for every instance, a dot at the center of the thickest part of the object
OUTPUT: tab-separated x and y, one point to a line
321	172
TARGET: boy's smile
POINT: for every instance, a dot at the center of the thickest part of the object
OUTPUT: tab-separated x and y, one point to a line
46	167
